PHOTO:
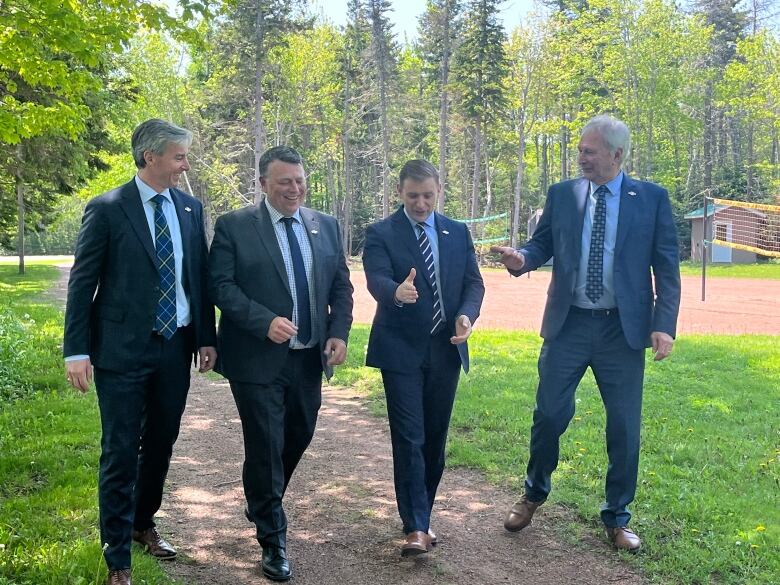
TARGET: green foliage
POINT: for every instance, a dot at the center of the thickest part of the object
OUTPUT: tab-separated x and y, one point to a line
707	507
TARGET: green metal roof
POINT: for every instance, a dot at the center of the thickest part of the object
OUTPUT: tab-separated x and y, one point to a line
699	213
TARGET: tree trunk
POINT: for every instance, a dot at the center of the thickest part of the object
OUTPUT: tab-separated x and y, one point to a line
20	207
475	186
444	104
518	184
708	136
259	125
564	150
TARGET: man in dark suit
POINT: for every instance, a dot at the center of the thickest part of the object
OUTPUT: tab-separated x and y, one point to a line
279	276
137	311
612	237
421	268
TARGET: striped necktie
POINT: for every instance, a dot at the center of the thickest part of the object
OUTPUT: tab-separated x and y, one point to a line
166	322
427	254
594	285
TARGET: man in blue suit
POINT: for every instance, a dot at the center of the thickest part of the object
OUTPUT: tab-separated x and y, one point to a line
422	270
613	239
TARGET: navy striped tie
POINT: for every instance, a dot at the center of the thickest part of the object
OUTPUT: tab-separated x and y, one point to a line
594	286
166	322
427	254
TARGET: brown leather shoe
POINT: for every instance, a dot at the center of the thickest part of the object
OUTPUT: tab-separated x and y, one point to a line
519	515
432	535
119	577
154	544
417	543
623	538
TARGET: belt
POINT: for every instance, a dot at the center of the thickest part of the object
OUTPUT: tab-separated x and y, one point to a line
594	312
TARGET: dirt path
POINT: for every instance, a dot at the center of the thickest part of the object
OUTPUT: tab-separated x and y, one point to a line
343	524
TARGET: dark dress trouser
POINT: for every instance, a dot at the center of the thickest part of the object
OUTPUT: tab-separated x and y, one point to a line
278	421
419	406
590	339
140	414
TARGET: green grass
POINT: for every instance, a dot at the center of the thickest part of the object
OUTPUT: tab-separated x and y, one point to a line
767	270
708	502
50	445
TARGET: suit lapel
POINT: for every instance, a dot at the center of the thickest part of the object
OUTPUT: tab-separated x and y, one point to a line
312	225
267	234
444	235
134	209
581	192
629	200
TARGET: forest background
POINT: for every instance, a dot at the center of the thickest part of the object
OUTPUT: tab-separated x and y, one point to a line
498	111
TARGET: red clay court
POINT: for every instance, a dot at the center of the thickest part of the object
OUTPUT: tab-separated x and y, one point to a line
733	306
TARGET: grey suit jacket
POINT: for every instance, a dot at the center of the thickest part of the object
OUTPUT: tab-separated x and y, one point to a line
646	268
248	282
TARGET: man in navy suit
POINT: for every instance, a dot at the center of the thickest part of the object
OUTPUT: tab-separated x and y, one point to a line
422	270
612	238
137	311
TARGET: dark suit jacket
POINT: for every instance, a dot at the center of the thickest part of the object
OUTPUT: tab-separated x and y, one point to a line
248	282
115	256
646	240
400	335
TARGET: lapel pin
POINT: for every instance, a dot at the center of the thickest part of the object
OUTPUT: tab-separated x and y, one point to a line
314	232
632	193
187	209
445	232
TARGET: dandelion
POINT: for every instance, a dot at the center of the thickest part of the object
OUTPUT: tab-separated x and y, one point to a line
690	430
695	530
578	418
753	546
760	528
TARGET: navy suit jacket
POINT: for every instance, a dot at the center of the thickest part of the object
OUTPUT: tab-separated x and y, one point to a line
646	241
114	284
400	335
248	282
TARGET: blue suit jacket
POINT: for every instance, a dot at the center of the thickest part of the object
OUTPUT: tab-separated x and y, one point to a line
400	335
646	241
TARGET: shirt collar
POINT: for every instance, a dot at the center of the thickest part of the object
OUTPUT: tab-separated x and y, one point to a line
147	192
276	215
429	221
613	185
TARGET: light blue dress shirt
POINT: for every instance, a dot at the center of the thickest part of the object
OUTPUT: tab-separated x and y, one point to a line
183	315
433	237
308	263
607	300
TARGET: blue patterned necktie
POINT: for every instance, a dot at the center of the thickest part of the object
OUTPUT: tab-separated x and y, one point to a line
301	284
594	286
165	323
427	254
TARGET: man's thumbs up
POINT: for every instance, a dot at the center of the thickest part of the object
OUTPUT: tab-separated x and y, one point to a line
406	291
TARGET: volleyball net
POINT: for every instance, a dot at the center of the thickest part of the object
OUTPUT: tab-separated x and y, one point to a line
753	227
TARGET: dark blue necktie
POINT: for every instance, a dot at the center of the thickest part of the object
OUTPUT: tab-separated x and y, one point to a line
427	254
165	323
301	284
594	286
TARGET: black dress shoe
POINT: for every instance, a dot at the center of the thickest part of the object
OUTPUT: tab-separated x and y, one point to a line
275	564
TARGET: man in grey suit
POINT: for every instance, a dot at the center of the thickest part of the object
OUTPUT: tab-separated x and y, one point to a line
278	274
615	290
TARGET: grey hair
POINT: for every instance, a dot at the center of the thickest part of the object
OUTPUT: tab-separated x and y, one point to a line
154	135
285	154
614	133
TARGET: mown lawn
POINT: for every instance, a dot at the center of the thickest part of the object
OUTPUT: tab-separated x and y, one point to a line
708	503
768	270
49	447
